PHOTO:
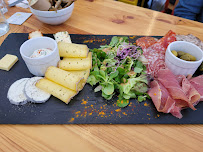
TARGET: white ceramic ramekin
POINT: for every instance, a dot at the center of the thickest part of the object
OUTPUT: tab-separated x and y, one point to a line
179	66
38	66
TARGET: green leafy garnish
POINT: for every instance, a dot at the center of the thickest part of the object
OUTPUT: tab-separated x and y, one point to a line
112	75
122	103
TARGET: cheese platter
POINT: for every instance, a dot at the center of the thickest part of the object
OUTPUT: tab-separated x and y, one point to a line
87	107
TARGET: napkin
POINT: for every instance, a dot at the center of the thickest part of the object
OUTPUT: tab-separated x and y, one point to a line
19	18
23	4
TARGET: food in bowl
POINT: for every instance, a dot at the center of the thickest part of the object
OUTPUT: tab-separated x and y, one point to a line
42	5
193	39
41	52
50	5
38	65
184	56
179	66
53	17
60	4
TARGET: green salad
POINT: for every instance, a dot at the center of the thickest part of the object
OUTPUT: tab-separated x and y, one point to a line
119	70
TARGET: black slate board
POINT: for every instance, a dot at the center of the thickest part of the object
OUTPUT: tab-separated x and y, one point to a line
95	111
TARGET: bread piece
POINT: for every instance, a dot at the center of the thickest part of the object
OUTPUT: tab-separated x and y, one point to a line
34	94
8	61
35	34
32	2
75	64
64	78
62	37
16	92
71	50
56	90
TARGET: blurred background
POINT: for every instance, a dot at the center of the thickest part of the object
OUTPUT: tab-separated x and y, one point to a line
188	9
165	6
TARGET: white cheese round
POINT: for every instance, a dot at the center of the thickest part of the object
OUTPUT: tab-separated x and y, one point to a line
16	92
34	94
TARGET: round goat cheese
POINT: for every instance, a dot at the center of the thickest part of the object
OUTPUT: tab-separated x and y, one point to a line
34	94
16	92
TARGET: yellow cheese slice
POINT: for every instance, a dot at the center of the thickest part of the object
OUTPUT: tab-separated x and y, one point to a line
56	90
76	64
71	50
84	74
64	78
8	61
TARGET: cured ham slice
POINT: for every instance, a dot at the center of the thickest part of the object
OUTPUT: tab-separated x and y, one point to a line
162	100
197	83
167	39
169	81
191	93
169	93
145	42
155	54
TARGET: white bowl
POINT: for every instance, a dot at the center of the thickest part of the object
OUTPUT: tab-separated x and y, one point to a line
179	66
38	66
53	17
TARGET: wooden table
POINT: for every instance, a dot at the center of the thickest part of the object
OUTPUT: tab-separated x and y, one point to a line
105	17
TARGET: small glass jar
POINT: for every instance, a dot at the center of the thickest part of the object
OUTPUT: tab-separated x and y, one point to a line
4	26
3	7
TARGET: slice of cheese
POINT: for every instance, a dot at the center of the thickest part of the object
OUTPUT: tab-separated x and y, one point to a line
71	50
56	90
62	37
64	78
34	94
84	74
8	61
16	92
76	64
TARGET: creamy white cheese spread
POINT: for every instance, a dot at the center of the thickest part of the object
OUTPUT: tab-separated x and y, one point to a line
41	52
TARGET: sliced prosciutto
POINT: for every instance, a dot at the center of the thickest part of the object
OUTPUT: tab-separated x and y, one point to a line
197	83
169	93
162	99
169	81
155	54
191	93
